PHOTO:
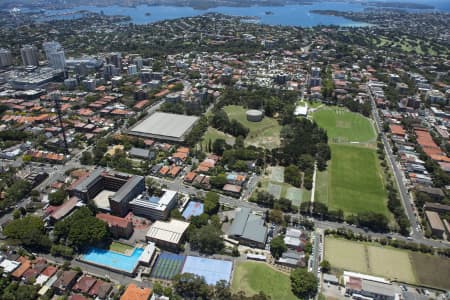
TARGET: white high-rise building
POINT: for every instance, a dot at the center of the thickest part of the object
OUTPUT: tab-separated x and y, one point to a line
6	58
132	70
55	55
30	55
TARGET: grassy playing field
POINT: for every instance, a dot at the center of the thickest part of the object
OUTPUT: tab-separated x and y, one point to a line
354	181
431	270
344	126
264	134
390	263
121	248
253	277
346	255
214	134
369	259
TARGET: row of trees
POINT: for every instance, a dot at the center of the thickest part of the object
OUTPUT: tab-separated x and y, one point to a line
191	286
266	199
394	203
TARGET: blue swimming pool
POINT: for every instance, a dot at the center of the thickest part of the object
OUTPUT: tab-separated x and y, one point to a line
113	260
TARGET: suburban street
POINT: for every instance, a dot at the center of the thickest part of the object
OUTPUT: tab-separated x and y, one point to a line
403	191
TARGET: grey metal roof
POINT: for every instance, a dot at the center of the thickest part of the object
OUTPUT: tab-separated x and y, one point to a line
84	184
165	126
249	226
139	152
378	288
127	188
293	255
330	278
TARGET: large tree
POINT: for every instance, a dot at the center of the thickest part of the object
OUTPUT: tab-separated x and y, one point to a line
191	286
28	231
207	239
211	203
57	197
303	283
81	229
277	247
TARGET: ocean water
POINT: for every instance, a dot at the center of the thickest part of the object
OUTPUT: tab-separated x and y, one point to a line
290	15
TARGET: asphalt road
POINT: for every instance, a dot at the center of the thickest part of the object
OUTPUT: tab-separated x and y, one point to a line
403	191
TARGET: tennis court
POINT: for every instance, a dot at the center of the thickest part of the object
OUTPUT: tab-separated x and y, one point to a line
274	189
295	195
277	174
193	208
168	265
213	270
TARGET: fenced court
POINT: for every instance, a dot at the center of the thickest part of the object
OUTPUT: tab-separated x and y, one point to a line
295	195
193	208
168	265
277	174
274	190
213	270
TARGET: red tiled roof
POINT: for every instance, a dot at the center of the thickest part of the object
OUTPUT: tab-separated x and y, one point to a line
49	271
134	292
190	176
84	284
397	129
113	220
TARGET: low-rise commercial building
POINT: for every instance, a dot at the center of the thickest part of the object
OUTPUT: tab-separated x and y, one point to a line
248	229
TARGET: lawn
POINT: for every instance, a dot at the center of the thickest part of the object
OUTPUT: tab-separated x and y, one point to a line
390	263
321	194
354	181
214	134
120	248
431	270
253	277
263	134
346	255
343	126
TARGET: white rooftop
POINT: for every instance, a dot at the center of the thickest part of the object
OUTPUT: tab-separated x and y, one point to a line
365	277
154	202
9	266
171	231
301	110
165	126
147	255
